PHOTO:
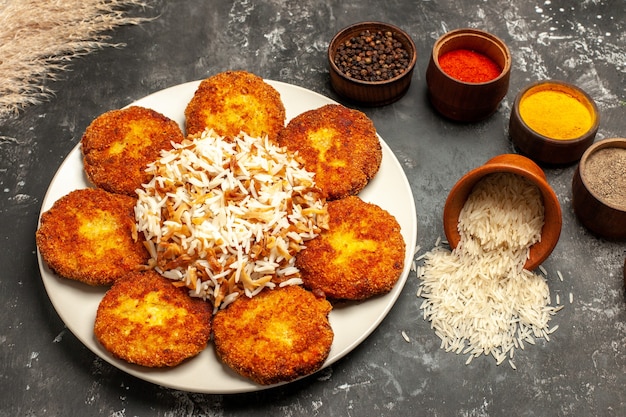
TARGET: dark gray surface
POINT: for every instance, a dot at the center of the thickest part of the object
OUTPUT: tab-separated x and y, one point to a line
581	371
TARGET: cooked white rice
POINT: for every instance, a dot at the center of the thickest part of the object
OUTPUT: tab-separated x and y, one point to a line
478	297
225	217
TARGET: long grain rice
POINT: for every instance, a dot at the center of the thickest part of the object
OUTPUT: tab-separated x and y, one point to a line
478	297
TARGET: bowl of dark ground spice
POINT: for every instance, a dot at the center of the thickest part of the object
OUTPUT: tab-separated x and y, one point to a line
371	63
468	74
599	189
553	122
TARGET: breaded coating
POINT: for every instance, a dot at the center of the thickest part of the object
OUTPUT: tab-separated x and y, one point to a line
119	144
234	101
360	255
144	319
87	236
338	144
276	336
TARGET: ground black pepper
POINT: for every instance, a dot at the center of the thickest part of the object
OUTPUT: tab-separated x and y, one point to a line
605	173
372	56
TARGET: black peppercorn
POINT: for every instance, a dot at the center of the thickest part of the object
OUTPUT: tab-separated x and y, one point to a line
372	56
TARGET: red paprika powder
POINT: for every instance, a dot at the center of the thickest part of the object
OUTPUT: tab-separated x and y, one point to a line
469	66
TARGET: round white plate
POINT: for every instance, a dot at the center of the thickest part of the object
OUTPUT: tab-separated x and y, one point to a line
77	303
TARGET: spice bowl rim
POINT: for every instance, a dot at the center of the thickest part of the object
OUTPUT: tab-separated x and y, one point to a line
332	50
461	32
601	144
516	164
593	111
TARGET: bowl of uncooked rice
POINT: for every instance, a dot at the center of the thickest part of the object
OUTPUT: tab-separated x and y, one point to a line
478	295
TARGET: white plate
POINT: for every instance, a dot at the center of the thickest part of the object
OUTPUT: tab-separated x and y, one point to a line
77	303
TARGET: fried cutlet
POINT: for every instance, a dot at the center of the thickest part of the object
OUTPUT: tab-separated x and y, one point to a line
87	236
338	144
144	319
360	255
276	336
234	101
119	144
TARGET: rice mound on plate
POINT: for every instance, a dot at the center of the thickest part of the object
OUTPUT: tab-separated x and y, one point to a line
478	297
226	216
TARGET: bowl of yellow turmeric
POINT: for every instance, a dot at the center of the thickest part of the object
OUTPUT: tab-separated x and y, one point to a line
553	122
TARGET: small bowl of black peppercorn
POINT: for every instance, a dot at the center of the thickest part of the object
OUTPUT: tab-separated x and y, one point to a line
371	63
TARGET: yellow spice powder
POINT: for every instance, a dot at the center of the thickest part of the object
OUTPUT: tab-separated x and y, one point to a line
555	114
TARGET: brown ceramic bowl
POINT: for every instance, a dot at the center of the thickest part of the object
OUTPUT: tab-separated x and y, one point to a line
462	101
594	208
371	93
515	164
544	149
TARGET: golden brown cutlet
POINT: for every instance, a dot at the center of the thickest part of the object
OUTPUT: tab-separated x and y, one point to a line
360	255
277	336
87	236
234	101
144	319
338	144
119	144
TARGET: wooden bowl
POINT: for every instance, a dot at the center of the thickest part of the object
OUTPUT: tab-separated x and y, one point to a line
544	149
463	101
371	93
516	164
597	212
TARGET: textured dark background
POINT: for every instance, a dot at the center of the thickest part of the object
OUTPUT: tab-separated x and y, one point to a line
581	371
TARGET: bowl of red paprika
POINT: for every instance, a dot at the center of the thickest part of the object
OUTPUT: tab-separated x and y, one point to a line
371	63
468	74
553	122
